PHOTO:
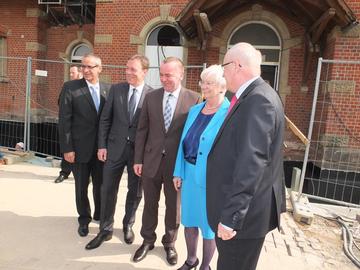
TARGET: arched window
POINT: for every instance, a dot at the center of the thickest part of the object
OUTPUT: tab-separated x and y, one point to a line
164	35
162	41
78	52
3	60
264	38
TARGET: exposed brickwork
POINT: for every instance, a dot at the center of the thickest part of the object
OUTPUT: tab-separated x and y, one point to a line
118	20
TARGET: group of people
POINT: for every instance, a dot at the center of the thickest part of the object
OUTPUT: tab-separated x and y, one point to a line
219	161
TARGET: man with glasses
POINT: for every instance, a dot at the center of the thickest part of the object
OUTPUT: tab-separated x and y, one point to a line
158	135
117	129
81	103
245	187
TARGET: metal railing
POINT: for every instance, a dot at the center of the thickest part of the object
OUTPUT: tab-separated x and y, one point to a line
29	94
331	167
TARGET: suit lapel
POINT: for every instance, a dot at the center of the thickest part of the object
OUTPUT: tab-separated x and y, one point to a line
217	116
159	108
177	108
102	96
236	106
123	95
137	111
85	90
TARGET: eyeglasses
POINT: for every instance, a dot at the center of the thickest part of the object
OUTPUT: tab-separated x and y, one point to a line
88	67
206	83
228	63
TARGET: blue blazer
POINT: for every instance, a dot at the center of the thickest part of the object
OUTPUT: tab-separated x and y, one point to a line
206	140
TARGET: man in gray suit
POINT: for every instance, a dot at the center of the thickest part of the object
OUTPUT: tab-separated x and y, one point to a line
160	126
245	185
80	105
117	130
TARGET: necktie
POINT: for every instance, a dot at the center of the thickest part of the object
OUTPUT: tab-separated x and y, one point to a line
232	103
94	97
167	113
132	104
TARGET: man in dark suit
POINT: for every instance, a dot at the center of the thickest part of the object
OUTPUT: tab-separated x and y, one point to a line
159	130
75	74
117	129
81	102
245	185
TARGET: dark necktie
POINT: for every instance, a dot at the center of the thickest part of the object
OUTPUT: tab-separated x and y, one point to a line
132	104
232	103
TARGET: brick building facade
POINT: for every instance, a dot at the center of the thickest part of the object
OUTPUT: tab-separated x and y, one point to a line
122	28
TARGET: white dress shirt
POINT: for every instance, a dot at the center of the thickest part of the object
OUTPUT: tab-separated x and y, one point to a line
138	93
173	100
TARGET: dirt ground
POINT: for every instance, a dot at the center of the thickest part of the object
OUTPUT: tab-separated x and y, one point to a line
324	238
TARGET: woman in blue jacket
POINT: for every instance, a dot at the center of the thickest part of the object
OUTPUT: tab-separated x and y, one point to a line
202	124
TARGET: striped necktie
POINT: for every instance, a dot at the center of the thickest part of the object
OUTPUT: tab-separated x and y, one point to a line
167	113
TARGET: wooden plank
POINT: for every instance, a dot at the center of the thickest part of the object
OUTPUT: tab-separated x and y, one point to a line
200	29
13	152
296	131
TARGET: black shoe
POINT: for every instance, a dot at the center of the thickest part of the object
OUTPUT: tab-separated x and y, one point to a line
171	255
96	217
187	266
142	251
99	239
60	178
83	230
129	235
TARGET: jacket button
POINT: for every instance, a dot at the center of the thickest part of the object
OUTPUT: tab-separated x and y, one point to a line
200	153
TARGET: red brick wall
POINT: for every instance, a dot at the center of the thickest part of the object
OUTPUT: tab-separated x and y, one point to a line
126	18
58	40
121	19
343	107
20	29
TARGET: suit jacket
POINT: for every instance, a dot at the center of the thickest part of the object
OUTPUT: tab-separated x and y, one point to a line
245	185
115	127
205	143
152	142
78	119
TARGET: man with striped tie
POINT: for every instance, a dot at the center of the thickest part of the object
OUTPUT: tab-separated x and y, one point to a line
158	134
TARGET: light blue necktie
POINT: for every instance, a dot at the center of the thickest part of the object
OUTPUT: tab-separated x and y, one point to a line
167	113
95	97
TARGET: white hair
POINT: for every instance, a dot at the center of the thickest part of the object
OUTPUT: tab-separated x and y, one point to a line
215	72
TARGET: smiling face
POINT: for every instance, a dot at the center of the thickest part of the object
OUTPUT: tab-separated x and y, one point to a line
91	69
210	88
135	73
171	75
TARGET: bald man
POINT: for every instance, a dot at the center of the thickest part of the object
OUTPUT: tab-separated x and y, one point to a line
245	186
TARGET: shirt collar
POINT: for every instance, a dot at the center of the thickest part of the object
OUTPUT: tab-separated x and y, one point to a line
176	93
95	86
139	88
244	86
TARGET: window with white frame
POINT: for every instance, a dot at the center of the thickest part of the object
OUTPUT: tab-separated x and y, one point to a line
78	52
162	41
265	38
